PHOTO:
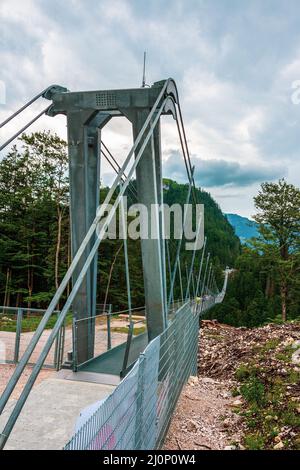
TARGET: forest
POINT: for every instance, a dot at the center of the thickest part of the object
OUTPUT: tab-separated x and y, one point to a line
35	241
35	236
265	286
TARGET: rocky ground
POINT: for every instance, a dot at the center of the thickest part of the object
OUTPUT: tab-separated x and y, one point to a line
247	393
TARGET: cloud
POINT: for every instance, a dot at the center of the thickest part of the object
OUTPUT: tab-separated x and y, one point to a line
218	172
234	63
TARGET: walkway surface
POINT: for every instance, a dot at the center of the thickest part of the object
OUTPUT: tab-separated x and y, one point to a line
112	361
48	419
7	342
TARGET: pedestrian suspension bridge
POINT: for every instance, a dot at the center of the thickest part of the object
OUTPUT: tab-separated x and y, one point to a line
144	375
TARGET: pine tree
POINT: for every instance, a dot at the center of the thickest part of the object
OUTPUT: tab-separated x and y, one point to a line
279	218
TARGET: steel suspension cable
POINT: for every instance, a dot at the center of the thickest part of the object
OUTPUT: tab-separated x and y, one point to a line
201	265
24	128
135	199
16	113
131	188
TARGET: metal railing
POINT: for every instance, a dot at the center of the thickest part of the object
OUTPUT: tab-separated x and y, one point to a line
101	333
106	333
137	413
17	327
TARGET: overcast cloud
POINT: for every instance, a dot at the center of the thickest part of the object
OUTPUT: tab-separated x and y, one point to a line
234	63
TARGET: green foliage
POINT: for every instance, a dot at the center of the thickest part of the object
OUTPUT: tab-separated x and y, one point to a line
254	442
243	372
35	237
269	345
265	286
278	206
266	408
253	391
124	329
286	355
33	197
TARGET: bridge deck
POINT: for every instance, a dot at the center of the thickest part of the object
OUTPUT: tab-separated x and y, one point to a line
111	362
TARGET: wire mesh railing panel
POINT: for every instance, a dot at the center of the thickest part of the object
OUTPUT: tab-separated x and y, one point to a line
146	422
176	370
137	413
112	426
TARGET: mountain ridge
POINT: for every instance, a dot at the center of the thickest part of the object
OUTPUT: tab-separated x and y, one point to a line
244	228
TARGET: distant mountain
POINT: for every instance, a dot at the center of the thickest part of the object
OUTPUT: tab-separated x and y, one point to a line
244	228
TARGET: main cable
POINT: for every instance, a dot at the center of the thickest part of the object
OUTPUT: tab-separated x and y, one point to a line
23	107
24	128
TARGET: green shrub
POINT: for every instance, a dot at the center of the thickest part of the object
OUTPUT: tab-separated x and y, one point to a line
254	391
254	442
244	372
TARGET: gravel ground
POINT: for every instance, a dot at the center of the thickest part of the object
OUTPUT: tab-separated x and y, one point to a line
206	417
203	419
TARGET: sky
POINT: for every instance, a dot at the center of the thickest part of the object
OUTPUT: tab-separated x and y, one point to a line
236	64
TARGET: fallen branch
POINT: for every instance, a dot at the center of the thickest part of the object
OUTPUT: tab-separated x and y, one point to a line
178	443
193	399
202	445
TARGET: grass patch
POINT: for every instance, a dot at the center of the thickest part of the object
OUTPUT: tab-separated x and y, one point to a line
245	371
215	336
29	323
270	345
268	413
291	418
286	354
293	377
235	392
253	391
267	408
254	442
124	329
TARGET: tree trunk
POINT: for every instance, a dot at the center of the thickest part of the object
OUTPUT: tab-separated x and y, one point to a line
18	299
28	276
272	288
267	291
283	294
6	294
30	287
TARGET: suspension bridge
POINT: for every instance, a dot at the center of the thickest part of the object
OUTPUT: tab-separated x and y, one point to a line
136	383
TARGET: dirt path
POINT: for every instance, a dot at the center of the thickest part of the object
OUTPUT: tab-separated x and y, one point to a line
203	418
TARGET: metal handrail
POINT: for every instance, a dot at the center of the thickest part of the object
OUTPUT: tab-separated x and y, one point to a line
26	309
